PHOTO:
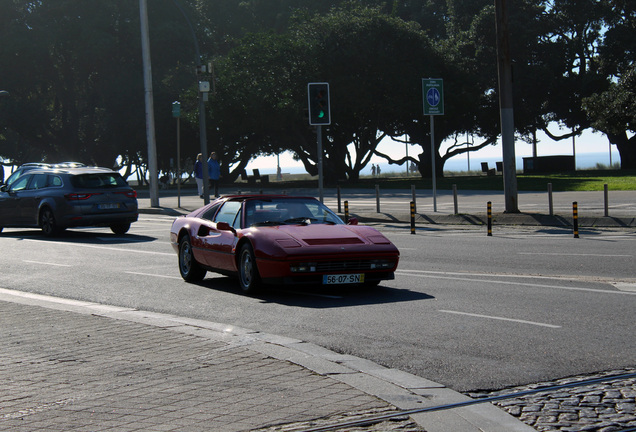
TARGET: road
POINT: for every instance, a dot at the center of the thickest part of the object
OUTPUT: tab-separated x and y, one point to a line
466	310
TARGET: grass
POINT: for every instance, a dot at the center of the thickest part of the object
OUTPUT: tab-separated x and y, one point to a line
584	180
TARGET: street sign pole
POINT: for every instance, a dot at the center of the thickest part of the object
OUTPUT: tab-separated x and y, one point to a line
320	179
319	114
176	112
433	98
433	163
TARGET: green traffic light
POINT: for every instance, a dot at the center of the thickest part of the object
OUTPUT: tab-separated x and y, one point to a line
321	114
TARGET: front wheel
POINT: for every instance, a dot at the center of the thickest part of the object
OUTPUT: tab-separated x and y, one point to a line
189	268
249	278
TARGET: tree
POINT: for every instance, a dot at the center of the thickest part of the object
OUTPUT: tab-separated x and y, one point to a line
613	111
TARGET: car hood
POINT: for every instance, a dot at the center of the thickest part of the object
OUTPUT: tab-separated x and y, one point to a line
298	239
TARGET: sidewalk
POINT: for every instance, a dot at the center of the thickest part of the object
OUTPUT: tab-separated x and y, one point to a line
78	366
532	211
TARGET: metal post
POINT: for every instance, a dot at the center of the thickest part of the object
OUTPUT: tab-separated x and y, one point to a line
455	198
346	204
377	198
412	217
178	162
504	63
319	139
150	114
575	218
413	197
489	219
338	199
606	196
433	164
550	202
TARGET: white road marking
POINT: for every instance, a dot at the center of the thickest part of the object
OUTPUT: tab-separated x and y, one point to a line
47	263
103	247
153	275
501	319
419	273
574	254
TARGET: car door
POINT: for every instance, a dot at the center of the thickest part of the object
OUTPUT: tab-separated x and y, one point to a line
219	244
29	202
10	202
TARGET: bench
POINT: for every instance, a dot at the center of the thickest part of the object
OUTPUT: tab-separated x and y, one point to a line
486	170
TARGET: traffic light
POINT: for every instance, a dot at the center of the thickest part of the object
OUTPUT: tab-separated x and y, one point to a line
319	109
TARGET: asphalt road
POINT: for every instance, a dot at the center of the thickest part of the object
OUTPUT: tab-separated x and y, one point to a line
466	310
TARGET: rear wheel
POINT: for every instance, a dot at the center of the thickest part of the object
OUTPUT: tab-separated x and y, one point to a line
249	278
48	223
189	268
120	228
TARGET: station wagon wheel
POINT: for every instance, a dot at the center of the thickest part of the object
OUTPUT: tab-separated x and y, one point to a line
249	278
120	228
190	270
48	223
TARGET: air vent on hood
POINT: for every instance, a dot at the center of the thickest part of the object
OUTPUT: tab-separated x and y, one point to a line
333	241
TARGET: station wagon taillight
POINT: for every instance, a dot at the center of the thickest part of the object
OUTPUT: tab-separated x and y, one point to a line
129	194
79	196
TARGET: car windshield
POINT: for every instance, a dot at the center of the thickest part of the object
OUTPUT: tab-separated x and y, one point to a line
98	180
288	211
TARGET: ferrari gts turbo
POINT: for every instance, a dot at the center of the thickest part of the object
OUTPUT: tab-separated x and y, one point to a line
280	240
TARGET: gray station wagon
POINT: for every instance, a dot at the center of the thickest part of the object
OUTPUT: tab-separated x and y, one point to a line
56	199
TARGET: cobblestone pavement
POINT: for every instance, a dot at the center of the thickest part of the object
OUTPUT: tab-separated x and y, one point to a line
603	407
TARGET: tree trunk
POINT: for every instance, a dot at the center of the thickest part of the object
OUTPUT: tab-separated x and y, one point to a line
626	149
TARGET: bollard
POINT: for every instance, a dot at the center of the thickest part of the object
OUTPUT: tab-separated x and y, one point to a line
346	203
550	202
413	197
339	199
606	195
455	198
377	198
575	218
412	217
489	219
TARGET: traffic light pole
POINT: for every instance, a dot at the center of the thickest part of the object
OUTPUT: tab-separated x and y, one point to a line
319	145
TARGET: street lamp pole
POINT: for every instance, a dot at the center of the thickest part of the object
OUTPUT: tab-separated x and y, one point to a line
150	115
202	99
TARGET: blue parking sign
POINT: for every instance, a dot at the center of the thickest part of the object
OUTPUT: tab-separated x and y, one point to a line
433	96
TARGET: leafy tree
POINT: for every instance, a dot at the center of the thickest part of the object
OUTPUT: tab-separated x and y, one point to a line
614	111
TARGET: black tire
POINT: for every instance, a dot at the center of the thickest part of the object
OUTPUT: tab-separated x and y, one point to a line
249	279
48	223
120	228
189	268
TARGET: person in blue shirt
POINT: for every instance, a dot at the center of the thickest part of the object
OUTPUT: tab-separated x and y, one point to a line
198	174
214	169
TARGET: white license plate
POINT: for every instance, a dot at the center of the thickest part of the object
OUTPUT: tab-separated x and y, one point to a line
108	206
343	279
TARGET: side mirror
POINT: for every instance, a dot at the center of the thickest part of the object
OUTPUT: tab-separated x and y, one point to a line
224	226
353	221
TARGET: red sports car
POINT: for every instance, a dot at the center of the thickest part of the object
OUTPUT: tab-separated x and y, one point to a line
278	239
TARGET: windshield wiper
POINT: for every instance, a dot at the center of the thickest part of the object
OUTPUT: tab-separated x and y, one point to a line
266	223
301	220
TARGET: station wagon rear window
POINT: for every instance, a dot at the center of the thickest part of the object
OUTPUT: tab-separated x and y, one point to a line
98	180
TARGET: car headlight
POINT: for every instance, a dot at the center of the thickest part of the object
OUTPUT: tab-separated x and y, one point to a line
303	268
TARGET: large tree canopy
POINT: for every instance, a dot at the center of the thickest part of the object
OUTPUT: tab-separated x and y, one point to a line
73	71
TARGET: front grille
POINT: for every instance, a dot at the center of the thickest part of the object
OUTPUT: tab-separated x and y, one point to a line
349	266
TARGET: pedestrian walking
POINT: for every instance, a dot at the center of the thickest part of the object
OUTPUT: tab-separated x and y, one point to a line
214	169
198	174
373	170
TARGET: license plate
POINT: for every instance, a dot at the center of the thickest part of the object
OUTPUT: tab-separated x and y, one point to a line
108	206
343	279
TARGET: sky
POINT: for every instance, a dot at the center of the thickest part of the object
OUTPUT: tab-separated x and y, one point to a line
587	143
